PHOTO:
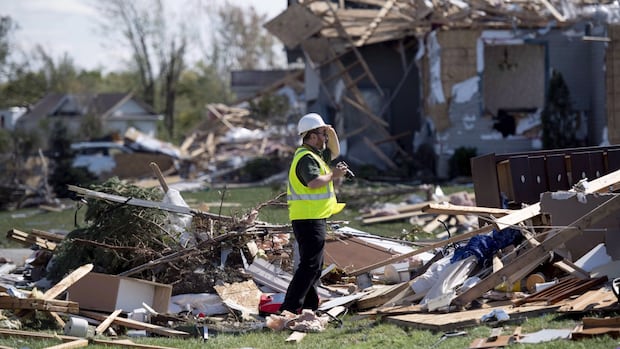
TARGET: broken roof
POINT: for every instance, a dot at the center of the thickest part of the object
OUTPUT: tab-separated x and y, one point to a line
361	22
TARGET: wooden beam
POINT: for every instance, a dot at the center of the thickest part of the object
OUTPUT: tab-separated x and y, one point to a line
67	281
560	17
380	153
387	6
78	343
103	326
129	323
447	208
531	258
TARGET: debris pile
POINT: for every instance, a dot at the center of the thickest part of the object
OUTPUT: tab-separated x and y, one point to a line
165	262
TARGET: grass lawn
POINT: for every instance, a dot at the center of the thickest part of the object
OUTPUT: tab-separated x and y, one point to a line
355	333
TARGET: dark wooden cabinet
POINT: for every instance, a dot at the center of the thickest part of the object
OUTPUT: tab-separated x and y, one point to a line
508	180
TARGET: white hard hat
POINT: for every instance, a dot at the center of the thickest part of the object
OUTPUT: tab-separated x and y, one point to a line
309	122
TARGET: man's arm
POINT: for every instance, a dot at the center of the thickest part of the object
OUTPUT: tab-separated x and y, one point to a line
323	180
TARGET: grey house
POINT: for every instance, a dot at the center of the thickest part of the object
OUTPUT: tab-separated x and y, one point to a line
114	112
408	83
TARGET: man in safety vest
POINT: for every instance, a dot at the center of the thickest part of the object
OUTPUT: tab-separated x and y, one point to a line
311	200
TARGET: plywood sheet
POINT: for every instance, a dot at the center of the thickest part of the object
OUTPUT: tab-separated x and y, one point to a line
470	318
353	253
294	25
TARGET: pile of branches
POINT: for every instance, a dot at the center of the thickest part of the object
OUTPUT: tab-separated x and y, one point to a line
128	240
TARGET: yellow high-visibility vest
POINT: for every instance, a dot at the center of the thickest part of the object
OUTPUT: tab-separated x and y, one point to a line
307	203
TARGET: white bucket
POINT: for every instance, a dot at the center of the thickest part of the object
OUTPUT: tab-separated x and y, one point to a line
76	327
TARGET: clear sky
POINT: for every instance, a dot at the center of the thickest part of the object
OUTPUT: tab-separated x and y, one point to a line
72	26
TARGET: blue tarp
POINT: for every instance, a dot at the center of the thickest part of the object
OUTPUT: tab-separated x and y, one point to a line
485	246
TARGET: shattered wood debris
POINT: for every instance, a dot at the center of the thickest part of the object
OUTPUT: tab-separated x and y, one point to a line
361	22
225	265
230	139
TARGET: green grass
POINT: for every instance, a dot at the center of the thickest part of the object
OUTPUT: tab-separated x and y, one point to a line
358	333
355	333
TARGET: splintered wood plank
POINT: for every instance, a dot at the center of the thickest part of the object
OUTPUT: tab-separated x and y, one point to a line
67	281
59	288
7	302
450	209
469	318
103	326
78	343
434	224
31	239
164	331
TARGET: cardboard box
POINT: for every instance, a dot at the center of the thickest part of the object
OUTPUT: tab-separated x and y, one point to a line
103	292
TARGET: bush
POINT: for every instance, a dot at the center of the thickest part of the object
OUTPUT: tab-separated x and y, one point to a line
460	165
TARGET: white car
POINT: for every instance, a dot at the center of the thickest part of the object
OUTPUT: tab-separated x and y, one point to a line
97	157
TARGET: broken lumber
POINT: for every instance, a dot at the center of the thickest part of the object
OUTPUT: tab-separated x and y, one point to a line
129	323
107	322
8	302
533	257
450	209
31	239
61	287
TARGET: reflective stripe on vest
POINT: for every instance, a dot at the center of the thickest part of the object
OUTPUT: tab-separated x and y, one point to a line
307	203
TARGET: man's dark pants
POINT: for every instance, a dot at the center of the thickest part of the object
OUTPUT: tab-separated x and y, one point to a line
302	291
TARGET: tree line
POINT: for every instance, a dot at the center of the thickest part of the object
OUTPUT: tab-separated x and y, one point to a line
159	71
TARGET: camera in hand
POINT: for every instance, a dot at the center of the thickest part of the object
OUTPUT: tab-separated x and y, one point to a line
348	174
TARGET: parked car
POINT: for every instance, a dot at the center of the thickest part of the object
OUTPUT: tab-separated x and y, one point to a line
97	157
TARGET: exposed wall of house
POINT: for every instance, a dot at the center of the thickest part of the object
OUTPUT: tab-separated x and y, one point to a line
398	79
613	84
399	76
580	62
582	66
514	77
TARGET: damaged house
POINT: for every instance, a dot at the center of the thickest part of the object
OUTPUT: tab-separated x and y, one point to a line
411	82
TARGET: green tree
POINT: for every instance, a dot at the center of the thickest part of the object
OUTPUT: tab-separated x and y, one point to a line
7	27
239	40
560	121
270	107
63	173
158	51
199	86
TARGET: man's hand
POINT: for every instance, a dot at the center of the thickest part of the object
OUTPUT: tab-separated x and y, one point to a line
333	144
